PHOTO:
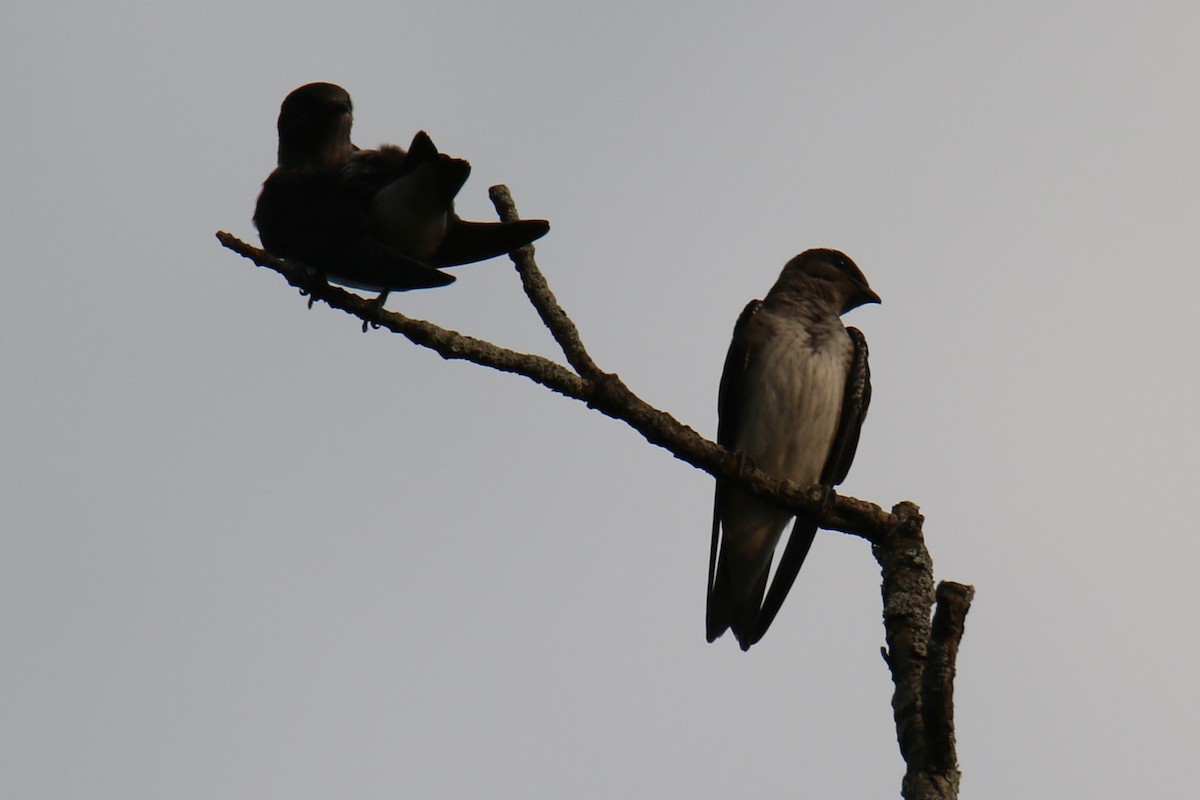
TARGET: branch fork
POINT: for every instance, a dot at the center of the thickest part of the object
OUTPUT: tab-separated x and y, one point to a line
922	641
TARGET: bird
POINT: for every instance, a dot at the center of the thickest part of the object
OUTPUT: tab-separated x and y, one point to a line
379	220
792	399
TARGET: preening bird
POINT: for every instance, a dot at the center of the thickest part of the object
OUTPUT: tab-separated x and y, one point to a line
380	220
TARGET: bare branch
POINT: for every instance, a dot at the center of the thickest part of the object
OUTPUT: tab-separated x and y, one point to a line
538	290
907	599
447	343
921	654
604	392
949	622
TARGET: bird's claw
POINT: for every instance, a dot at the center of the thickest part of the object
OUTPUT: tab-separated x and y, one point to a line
376	307
827	499
743	463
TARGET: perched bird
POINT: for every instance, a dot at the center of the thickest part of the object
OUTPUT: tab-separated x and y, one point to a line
793	397
381	220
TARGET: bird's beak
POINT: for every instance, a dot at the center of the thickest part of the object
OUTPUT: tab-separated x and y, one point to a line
863	296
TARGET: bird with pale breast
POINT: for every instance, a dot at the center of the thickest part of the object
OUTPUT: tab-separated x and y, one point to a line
793	396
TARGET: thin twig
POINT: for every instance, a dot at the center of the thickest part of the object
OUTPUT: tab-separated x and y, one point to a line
538	290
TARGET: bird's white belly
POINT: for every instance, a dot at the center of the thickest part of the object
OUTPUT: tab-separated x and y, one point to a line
793	402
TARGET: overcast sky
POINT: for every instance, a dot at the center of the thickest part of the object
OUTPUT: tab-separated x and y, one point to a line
247	551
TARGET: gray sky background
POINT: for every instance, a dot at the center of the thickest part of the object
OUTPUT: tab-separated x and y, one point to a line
249	552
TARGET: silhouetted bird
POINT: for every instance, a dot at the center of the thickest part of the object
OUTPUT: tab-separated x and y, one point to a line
793	397
381	220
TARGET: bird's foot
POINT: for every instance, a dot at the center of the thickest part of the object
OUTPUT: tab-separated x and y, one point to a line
826	498
376	307
742	463
317	280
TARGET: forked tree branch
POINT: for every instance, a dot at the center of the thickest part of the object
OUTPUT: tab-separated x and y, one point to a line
921	650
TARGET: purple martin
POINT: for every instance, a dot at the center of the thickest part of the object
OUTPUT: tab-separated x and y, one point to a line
380	220
792	398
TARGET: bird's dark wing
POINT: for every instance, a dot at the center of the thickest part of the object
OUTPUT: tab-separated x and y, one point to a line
452	172
319	218
423	169
301	213
855	402
798	545
855	399
737	361
467	242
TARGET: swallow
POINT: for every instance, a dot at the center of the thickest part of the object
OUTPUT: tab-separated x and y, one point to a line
793	397
379	220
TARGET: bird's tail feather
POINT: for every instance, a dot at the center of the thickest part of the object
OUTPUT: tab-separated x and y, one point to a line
726	611
745	614
803	533
466	242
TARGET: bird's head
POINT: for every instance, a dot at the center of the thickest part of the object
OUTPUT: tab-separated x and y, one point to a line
829	274
314	126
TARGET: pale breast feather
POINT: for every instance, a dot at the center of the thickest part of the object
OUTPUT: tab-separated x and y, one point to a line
792	399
